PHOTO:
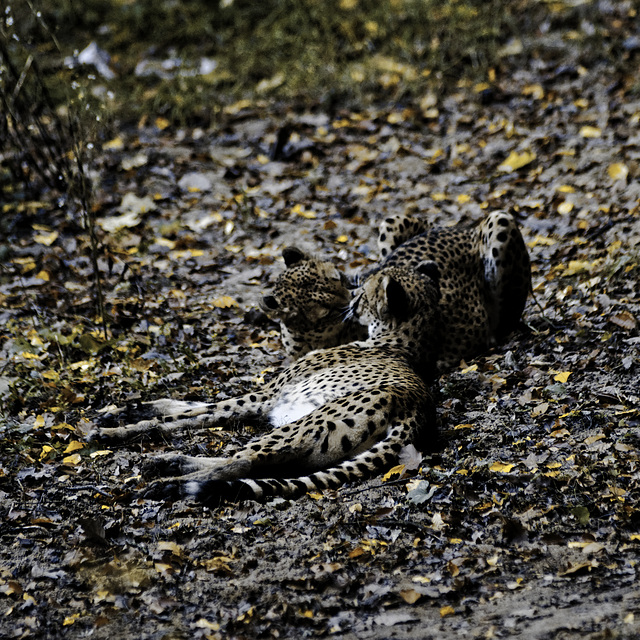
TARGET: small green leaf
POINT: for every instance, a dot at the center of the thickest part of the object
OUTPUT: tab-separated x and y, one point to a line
581	514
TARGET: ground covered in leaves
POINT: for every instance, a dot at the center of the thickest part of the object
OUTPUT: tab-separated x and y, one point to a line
523	524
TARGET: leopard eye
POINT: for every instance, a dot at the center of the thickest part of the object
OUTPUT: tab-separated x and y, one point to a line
270	302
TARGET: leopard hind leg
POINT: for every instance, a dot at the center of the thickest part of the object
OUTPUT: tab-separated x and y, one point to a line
507	271
373	461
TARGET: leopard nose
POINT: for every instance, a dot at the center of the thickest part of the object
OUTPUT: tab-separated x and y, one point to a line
270	302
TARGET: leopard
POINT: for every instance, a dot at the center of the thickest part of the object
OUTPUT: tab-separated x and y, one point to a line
334	416
485	281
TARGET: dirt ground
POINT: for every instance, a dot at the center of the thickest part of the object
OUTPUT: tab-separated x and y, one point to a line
523	524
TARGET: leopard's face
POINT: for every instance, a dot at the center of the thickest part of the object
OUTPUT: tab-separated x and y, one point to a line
309	295
400	300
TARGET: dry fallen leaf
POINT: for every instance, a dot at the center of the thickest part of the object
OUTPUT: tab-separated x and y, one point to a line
624	319
410	596
516	161
46	239
224	302
618	171
501	467
394	471
590	132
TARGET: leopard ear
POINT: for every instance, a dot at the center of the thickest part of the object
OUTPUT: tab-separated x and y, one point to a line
430	269
270	302
397	300
292	255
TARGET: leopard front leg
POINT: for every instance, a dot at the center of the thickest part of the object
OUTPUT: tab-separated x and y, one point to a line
167	416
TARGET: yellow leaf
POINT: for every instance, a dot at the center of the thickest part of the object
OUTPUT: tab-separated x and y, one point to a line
102	452
395	117
463	426
470	369
565	207
446	611
46	449
83	365
541	240
162	123
410	596
70	619
47	239
577	266
29	356
73	446
73	459
590	132
501	467
314	495
565	188
397	470
236	107
267	84
463	198
163	568
224	302
493	560
534	90
342	239
517	160
562	376
114	145
203	623
618	171
438	197
306	613
43	275
62	425
299	210
39	421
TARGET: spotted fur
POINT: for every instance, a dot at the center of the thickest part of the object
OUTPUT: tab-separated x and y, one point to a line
485	277
309	301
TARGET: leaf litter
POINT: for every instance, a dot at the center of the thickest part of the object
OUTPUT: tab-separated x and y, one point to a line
523	522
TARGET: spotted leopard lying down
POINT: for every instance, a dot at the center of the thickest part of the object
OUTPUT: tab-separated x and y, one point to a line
485	277
336	415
